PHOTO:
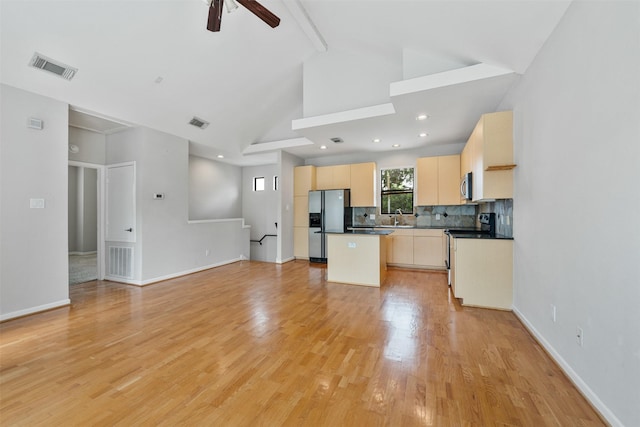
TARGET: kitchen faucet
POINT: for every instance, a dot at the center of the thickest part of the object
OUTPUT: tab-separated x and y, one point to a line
395	216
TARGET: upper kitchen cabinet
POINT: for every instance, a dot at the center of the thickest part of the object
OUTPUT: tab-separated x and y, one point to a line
363	184
333	177
438	180
304	180
492	157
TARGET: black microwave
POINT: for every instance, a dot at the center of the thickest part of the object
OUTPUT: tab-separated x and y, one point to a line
466	185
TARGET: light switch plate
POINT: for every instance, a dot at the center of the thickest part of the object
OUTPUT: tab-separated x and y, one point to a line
36	203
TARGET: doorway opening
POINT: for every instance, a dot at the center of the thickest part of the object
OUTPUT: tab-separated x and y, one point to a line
85	223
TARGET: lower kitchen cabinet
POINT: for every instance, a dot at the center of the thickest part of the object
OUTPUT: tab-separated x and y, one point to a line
427	248
400	247
482	272
421	248
301	242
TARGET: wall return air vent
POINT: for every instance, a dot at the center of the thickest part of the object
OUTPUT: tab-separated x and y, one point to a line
199	123
52	66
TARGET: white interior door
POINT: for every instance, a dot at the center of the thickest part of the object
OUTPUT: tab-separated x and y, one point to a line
121	203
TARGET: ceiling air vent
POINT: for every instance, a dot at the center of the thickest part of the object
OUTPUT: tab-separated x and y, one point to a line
337	140
52	66
199	123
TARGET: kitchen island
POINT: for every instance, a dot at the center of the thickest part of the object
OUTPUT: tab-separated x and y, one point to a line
357	257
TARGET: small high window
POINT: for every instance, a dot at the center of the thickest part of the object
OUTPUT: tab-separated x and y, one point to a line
396	190
258	183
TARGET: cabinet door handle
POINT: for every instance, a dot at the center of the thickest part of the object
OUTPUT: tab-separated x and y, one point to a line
128	229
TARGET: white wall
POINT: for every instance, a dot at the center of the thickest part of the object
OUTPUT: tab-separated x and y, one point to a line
577	201
33	165
167	244
388	159
91	145
361	80
260	211
215	189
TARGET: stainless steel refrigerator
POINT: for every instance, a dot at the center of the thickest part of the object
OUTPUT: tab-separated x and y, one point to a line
329	211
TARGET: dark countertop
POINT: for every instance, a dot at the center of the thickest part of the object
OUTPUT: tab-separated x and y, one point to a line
480	236
418	227
368	231
457	232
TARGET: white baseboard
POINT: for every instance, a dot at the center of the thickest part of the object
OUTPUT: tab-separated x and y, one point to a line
286	260
170	276
586	391
33	310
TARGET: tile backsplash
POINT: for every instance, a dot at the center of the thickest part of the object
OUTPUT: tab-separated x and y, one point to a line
504	215
424	216
442	216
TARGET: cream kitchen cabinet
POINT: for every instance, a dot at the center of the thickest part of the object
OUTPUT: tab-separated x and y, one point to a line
301	211
438	180
491	145
482	272
304	180
428	248
421	248
400	247
333	177
363	184
301	242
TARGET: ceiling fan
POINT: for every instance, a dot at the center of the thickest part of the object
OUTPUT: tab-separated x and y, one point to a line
215	13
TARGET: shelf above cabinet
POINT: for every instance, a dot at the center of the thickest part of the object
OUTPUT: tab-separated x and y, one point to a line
500	168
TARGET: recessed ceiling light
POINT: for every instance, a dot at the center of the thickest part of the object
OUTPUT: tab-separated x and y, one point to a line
376	139
220	156
396	145
423	134
323	147
422	117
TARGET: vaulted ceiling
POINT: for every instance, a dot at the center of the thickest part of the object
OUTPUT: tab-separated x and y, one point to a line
358	70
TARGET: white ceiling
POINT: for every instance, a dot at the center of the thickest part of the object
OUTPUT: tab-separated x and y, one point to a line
251	81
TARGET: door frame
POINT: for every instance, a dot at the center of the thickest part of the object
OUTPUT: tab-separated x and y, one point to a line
100	208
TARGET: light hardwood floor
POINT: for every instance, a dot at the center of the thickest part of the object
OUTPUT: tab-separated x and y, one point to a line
257	344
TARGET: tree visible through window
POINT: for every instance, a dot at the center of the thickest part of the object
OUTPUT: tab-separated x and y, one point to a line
396	191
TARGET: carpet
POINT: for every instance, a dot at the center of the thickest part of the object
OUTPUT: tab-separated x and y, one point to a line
82	268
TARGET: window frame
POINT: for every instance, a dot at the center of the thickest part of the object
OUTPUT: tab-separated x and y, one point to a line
384	192
255	183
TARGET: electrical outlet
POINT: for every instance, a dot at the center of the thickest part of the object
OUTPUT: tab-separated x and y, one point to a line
553	313
437	217
579	336
206	252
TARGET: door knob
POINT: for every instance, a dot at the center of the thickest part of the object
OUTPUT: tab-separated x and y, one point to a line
128	229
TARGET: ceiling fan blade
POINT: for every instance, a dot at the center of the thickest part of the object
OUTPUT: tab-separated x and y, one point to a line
261	12
215	16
